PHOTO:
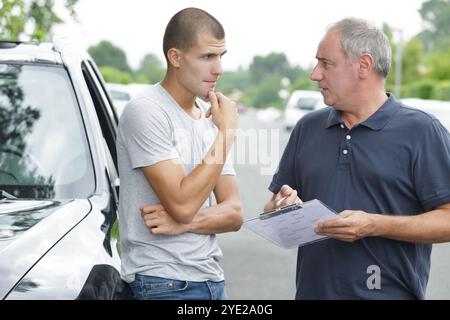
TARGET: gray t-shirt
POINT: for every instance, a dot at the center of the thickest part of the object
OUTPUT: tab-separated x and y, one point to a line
154	128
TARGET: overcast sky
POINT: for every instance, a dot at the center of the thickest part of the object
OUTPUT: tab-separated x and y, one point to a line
252	27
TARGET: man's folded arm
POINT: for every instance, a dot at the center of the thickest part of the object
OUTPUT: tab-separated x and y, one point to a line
226	216
182	195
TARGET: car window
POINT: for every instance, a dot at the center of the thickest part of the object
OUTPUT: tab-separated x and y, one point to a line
119	95
102	87
105	113
306	103
43	145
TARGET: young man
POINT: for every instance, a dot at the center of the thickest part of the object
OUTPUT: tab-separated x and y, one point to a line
382	165
172	155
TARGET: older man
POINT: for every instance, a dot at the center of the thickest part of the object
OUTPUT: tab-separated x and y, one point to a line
384	166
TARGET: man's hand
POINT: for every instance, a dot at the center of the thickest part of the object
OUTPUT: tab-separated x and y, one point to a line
223	112
285	197
352	226
158	221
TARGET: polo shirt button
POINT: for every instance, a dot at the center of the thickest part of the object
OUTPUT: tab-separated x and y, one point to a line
348	137
342	126
345	151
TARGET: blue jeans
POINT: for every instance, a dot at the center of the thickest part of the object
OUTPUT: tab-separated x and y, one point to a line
155	288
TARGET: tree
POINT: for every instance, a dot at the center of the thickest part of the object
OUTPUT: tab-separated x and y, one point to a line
265	93
438	64
274	63
35	15
411	64
112	75
436	16
411	60
265	74
303	82
232	81
106	54
150	70
442	91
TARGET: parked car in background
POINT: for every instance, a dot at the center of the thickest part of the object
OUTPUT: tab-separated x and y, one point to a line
58	178
301	102
122	93
120	96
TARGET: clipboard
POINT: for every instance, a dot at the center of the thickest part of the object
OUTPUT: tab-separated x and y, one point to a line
292	226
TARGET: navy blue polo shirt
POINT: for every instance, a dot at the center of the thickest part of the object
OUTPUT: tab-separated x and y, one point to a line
397	162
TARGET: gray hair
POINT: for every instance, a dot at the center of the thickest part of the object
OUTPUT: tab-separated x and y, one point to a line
358	37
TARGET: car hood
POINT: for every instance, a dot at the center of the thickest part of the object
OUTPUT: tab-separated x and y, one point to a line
17	216
29	229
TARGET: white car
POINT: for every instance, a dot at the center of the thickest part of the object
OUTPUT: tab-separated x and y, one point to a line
120	96
122	93
59	183
300	103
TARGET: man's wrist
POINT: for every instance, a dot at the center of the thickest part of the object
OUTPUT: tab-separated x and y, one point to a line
377	225
227	133
187	227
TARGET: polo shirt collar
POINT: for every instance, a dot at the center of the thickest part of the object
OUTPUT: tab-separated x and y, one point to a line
334	118
377	121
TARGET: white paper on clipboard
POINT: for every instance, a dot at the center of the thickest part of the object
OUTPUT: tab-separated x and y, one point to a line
292	226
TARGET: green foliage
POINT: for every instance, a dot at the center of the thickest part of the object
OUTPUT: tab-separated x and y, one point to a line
150	70
412	56
261	84
274	63
439	65
35	15
436	17
411	62
264	93
426	57
421	89
303	82
107	54
441	91
231	81
12	20
111	74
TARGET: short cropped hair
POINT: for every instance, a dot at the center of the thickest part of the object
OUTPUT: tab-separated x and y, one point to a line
358	36
185	26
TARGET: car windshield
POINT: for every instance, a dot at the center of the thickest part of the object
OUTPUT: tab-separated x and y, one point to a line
43	146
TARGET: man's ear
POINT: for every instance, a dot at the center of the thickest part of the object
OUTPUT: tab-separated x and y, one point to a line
366	64
174	56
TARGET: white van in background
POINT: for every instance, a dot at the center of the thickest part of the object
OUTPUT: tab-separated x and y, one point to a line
300	103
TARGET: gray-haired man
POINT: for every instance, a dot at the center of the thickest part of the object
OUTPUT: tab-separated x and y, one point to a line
382	165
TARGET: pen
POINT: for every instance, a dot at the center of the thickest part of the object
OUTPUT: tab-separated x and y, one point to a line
278	203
